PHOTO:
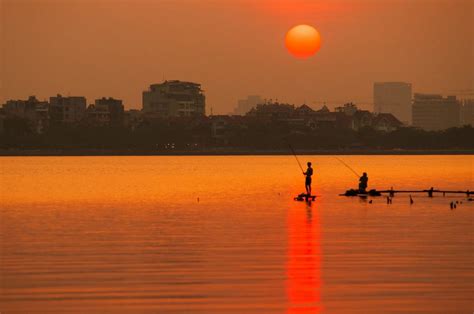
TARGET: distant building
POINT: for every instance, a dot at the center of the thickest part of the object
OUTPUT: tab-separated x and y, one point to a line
467	112
113	107
41	120
394	98
71	109
132	119
348	109
33	110
272	111
304	111
347	116
434	112
22	108
224	128
325	119
175	99
98	115
245	105
361	119
386	122
2	120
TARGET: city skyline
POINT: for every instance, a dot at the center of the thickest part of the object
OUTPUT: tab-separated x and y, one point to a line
394	107
238	58
461	95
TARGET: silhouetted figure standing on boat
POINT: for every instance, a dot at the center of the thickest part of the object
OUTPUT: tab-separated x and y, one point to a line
363	183
308	174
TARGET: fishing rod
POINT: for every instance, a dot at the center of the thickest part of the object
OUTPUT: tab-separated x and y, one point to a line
347	166
340	160
297	160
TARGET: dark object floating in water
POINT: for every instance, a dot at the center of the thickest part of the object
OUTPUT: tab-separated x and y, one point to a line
430	192
353	192
392	192
305	197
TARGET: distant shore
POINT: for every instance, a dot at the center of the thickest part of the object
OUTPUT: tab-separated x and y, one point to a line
227	152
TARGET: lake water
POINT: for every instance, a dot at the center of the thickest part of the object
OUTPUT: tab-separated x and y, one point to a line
223	235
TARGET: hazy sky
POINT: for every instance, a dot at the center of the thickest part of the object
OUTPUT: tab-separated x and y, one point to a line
233	48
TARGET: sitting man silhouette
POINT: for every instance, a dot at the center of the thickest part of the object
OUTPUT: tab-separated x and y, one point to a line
363	183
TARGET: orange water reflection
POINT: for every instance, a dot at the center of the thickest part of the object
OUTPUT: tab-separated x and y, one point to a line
304	260
127	234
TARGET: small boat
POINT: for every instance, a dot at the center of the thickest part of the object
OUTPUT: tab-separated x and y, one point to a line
353	192
304	197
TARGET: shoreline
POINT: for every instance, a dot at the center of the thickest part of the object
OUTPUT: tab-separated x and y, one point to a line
224	152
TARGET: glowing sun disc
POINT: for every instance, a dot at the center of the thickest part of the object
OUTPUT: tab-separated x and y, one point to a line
303	41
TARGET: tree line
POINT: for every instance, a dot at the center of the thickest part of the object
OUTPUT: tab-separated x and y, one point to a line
187	135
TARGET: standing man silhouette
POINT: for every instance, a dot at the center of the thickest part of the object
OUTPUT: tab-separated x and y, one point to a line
308	174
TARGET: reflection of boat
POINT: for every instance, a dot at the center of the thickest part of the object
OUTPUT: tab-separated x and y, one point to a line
304	197
353	192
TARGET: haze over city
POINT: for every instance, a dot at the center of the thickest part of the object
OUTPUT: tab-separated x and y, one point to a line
234	49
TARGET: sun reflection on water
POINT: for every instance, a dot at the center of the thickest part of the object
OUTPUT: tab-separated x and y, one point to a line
304	260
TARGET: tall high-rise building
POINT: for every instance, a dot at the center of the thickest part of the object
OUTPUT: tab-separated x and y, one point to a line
434	112
467	112
394	98
245	105
175	99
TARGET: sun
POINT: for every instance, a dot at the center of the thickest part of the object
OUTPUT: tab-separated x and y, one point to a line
303	41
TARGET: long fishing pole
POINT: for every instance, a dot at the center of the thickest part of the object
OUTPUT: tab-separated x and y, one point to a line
297	160
348	167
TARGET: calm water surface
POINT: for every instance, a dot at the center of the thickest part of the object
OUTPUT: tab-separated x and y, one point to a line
223	235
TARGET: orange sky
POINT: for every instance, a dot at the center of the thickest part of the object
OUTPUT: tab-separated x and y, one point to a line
234	48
